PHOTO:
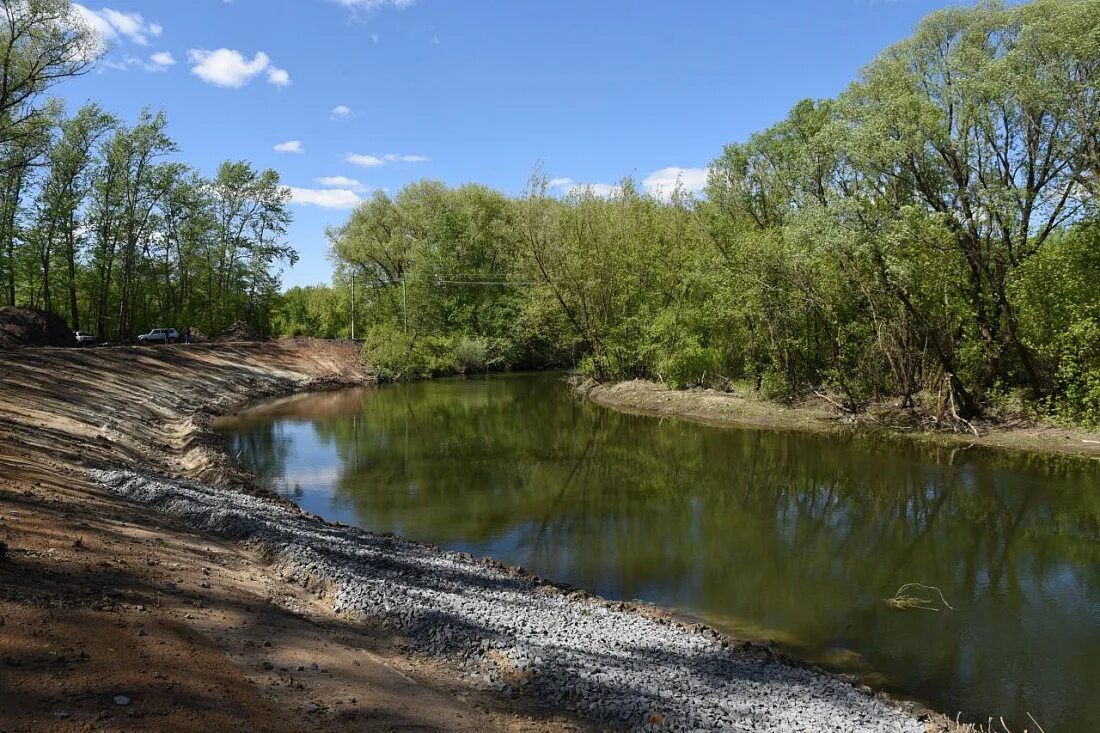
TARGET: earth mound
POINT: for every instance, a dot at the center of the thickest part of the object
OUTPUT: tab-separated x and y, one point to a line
241	331
32	327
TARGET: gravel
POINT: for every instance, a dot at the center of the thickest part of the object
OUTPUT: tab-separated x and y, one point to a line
518	635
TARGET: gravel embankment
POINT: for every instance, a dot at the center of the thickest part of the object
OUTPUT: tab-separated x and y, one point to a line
519	635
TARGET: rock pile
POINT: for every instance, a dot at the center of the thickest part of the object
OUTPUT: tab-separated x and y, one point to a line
517	635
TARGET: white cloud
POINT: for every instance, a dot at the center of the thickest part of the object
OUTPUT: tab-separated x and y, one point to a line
341	112
278	77
96	23
156	62
113	25
341	182
290	146
569	186
228	68
663	182
603	190
328	198
367	161
132	25
660	183
162	58
374	4
374	161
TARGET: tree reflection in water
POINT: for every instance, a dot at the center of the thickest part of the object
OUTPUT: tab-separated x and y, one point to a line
785	536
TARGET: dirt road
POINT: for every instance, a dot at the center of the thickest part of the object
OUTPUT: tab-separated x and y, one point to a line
114	619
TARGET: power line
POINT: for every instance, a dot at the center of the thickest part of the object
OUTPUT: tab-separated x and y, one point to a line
497	283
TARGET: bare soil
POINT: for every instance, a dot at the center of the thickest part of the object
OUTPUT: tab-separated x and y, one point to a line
743	407
31	327
114	619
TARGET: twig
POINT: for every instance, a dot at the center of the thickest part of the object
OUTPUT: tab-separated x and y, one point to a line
902	601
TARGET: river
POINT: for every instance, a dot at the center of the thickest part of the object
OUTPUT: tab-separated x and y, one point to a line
789	537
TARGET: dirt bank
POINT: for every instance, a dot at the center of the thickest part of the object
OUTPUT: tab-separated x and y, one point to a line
115	618
743	408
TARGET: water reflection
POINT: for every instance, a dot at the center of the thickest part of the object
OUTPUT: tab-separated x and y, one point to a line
782	536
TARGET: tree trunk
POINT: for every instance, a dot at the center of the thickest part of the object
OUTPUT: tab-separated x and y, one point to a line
74	313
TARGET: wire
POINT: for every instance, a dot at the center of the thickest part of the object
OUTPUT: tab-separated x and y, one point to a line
499	283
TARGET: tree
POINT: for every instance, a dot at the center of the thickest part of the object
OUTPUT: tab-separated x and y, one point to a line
973	122
250	220
42	42
69	162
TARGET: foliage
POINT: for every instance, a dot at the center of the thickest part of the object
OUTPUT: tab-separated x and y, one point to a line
928	236
98	224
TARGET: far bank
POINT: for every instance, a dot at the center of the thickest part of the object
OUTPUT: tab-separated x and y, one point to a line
744	408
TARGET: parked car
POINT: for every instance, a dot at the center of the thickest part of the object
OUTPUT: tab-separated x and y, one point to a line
159	336
83	337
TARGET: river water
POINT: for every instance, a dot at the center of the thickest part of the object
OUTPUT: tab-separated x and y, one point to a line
783	536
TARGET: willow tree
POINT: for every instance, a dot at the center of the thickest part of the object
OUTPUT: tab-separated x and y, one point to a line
972	128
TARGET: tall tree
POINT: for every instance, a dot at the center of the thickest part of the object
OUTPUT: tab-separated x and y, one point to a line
69	176
974	120
42	42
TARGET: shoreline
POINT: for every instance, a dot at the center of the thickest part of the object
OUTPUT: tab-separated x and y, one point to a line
198	463
734	409
517	635
118	618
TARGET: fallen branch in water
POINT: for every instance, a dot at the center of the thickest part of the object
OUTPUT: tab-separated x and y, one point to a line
954	726
903	601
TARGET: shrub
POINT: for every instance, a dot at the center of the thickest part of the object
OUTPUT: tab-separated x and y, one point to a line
690	366
471	354
1078	376
774	385
396	356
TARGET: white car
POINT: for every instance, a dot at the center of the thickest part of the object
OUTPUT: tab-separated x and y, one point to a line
159	336
84	337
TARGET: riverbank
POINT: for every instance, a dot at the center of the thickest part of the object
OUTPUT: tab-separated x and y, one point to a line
742	407
145	591
113	617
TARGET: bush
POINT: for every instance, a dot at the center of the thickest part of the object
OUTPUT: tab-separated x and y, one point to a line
1078	377
774	385
396	356
471	354
690	366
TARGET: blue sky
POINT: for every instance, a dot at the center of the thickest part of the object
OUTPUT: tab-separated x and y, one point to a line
346	96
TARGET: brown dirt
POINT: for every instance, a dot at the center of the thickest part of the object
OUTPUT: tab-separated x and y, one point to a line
742	407
30	327
99	599
241	331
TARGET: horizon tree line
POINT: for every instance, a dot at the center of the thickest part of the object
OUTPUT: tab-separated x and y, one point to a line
100	223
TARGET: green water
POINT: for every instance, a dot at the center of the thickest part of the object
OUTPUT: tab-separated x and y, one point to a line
784	536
